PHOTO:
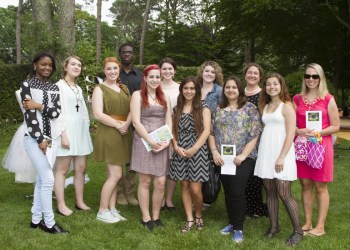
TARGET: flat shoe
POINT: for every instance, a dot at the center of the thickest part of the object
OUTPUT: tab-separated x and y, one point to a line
307	230
171	208
56	229
60	213
148	224
32	225
314	234
158	223
79	208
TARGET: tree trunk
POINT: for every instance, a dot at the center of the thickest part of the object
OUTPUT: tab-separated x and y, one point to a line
250	50
144	28
66	27
98	31
43	23
18	31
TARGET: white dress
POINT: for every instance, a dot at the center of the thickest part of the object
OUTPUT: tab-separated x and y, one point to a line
16	159
75	123
270	146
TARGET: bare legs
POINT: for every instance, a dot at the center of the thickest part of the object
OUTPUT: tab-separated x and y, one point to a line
170	189
192	194
157	196
322	196
61	170
109	189
79	181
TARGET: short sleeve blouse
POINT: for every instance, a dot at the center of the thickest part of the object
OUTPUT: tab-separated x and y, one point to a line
237	127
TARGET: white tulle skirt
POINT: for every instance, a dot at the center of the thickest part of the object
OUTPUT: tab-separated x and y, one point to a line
16	159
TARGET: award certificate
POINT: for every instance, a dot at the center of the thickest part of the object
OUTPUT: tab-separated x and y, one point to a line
160	134
314	120
228	153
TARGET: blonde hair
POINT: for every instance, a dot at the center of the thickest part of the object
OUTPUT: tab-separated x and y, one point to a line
219	78
65	63
322	89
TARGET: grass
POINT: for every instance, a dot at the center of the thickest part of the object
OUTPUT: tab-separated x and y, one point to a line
88	233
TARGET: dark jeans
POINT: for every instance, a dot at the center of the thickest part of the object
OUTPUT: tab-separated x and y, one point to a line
234	187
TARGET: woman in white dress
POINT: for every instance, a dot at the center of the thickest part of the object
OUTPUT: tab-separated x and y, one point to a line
171	89
75	138
276	163
16	159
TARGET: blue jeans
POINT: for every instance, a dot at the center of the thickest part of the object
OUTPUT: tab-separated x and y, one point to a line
44	183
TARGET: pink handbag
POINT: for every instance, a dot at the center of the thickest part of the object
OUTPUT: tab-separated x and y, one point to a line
315	154
300	146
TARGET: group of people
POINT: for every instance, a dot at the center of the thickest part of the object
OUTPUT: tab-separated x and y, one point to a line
203	113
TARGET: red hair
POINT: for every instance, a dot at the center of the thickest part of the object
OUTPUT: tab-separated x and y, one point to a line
111	59
159	92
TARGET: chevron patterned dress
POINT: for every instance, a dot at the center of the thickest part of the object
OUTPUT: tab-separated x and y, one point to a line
196	168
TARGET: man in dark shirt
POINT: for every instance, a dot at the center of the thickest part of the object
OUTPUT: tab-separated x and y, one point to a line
129	74
131	77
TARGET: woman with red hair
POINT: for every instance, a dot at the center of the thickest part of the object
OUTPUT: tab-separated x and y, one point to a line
150	110
112	144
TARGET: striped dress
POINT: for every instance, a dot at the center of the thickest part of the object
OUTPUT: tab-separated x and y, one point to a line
196	168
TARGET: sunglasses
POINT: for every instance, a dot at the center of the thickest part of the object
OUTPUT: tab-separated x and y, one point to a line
307	76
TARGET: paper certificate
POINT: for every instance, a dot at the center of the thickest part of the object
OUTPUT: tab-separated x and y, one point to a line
160	134
314	120
228	153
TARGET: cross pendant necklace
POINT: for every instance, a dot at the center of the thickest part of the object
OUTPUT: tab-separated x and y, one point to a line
75	90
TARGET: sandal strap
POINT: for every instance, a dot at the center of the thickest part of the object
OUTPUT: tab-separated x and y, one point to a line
187	226
199	223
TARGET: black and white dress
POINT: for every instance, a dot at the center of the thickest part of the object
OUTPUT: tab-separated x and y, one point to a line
196	168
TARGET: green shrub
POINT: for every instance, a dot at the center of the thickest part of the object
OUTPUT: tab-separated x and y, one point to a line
12	75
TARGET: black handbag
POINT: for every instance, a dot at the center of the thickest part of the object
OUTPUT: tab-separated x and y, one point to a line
211	188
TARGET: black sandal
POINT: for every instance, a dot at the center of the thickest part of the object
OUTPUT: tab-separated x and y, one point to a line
272	231
199	223
294	239
187	227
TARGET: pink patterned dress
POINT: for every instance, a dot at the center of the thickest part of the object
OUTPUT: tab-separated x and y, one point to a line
325	174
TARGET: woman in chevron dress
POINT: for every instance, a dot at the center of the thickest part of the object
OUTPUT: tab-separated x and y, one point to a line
191	126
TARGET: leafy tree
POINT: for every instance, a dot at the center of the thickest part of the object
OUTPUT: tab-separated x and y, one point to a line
7	34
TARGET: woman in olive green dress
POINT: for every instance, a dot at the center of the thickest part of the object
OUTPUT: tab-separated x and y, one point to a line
113	139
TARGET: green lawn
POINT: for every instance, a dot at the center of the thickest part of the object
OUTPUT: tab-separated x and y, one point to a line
88	233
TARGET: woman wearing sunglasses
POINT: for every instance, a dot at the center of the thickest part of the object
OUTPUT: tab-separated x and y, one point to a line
315	97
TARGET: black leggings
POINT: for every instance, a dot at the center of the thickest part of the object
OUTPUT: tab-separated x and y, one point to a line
234	186
282	188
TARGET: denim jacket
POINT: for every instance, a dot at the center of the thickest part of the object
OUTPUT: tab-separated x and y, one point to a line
213	98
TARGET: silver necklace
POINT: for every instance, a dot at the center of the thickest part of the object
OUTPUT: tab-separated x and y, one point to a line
153	98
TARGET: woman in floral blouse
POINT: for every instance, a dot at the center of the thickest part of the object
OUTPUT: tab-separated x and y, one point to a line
235	122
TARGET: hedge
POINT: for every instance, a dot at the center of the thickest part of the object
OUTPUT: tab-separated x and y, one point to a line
12	75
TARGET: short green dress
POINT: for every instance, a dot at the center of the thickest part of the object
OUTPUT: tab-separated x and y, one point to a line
109	145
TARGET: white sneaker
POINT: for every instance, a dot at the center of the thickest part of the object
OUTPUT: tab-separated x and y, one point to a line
107	217
116	214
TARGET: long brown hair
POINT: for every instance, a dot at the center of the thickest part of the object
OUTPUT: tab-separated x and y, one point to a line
264	98
159	92
242	100
196	110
